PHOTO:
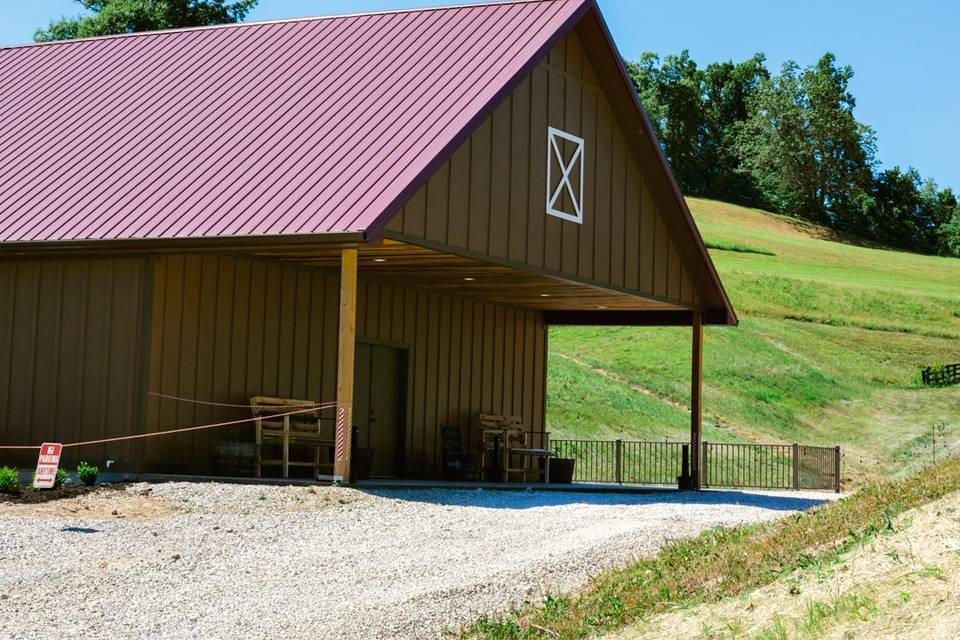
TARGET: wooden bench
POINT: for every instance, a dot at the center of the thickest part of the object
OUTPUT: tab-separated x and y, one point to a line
299	430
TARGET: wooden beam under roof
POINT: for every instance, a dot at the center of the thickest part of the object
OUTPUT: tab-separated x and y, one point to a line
430	269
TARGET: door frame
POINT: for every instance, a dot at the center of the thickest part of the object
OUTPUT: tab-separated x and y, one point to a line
402	457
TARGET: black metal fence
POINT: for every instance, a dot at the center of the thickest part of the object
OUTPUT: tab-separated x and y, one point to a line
755	466
622	461
941	375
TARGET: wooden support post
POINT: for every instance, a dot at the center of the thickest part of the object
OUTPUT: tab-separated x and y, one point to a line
347	340
696	393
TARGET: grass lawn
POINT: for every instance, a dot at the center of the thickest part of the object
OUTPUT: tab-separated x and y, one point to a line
830	338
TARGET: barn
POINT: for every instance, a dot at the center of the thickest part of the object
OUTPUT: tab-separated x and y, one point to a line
385	212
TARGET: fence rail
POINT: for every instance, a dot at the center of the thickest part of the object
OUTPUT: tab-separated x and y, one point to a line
755	466
941	375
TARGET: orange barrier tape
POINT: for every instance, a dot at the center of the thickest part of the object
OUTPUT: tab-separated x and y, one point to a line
210	403
171	431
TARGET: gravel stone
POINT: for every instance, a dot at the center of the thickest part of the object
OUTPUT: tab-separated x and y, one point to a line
249	561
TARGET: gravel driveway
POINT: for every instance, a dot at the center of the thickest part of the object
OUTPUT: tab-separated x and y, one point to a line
246	561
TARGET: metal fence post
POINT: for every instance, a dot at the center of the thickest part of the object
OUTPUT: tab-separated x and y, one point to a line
796	465
619	456
704	468
684	482
836	469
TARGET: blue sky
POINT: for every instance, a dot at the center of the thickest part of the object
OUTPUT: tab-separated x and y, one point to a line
906	54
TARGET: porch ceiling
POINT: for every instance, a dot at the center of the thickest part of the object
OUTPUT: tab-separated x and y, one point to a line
429	269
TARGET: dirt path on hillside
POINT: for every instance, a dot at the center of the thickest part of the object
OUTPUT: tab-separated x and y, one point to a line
903	584
741	431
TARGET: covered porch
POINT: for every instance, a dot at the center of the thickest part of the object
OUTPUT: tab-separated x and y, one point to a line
428	339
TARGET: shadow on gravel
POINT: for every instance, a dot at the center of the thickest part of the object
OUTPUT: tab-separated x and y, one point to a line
496	499
80	530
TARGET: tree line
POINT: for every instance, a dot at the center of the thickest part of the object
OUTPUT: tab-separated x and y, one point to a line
789	142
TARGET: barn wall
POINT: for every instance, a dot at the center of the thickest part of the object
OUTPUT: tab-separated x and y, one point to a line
226	328
70	356
490	197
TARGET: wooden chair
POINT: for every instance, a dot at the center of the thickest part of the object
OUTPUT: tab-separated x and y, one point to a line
300	430
509	435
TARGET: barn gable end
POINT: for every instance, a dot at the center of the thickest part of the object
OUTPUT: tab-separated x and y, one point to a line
490	199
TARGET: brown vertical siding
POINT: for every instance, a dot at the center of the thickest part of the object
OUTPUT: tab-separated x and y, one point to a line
490	197
466	358
226	328
70	355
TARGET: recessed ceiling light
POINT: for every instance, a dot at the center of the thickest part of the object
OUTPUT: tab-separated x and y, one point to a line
468	279
601	307
544	295
379	259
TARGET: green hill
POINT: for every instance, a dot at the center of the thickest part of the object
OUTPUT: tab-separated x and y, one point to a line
831	335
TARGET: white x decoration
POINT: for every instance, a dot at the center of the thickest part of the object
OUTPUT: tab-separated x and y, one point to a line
556	188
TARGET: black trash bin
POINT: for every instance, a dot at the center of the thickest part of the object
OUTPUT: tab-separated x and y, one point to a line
561	470
361	458
362	463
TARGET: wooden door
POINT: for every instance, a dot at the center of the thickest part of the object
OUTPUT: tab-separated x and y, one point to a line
379	392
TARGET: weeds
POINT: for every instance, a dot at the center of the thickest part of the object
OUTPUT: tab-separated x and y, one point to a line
820	615
61	478
9	481
932	572
87	473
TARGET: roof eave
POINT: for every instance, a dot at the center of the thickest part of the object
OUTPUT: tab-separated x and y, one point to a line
650	135
20	249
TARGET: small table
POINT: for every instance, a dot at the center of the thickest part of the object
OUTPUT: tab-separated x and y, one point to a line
544	454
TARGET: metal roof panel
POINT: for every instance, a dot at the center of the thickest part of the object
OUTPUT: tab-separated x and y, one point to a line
293	127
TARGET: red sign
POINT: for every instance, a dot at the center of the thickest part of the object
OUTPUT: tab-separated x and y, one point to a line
47	465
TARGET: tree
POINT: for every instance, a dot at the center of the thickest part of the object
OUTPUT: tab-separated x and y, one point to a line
694	112
804	147
905	211
950	233
728	89
891	212
109	17
670	90
789	143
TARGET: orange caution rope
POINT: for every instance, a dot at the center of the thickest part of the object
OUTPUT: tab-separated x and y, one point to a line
327	405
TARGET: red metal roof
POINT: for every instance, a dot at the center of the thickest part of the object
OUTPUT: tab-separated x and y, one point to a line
306	126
